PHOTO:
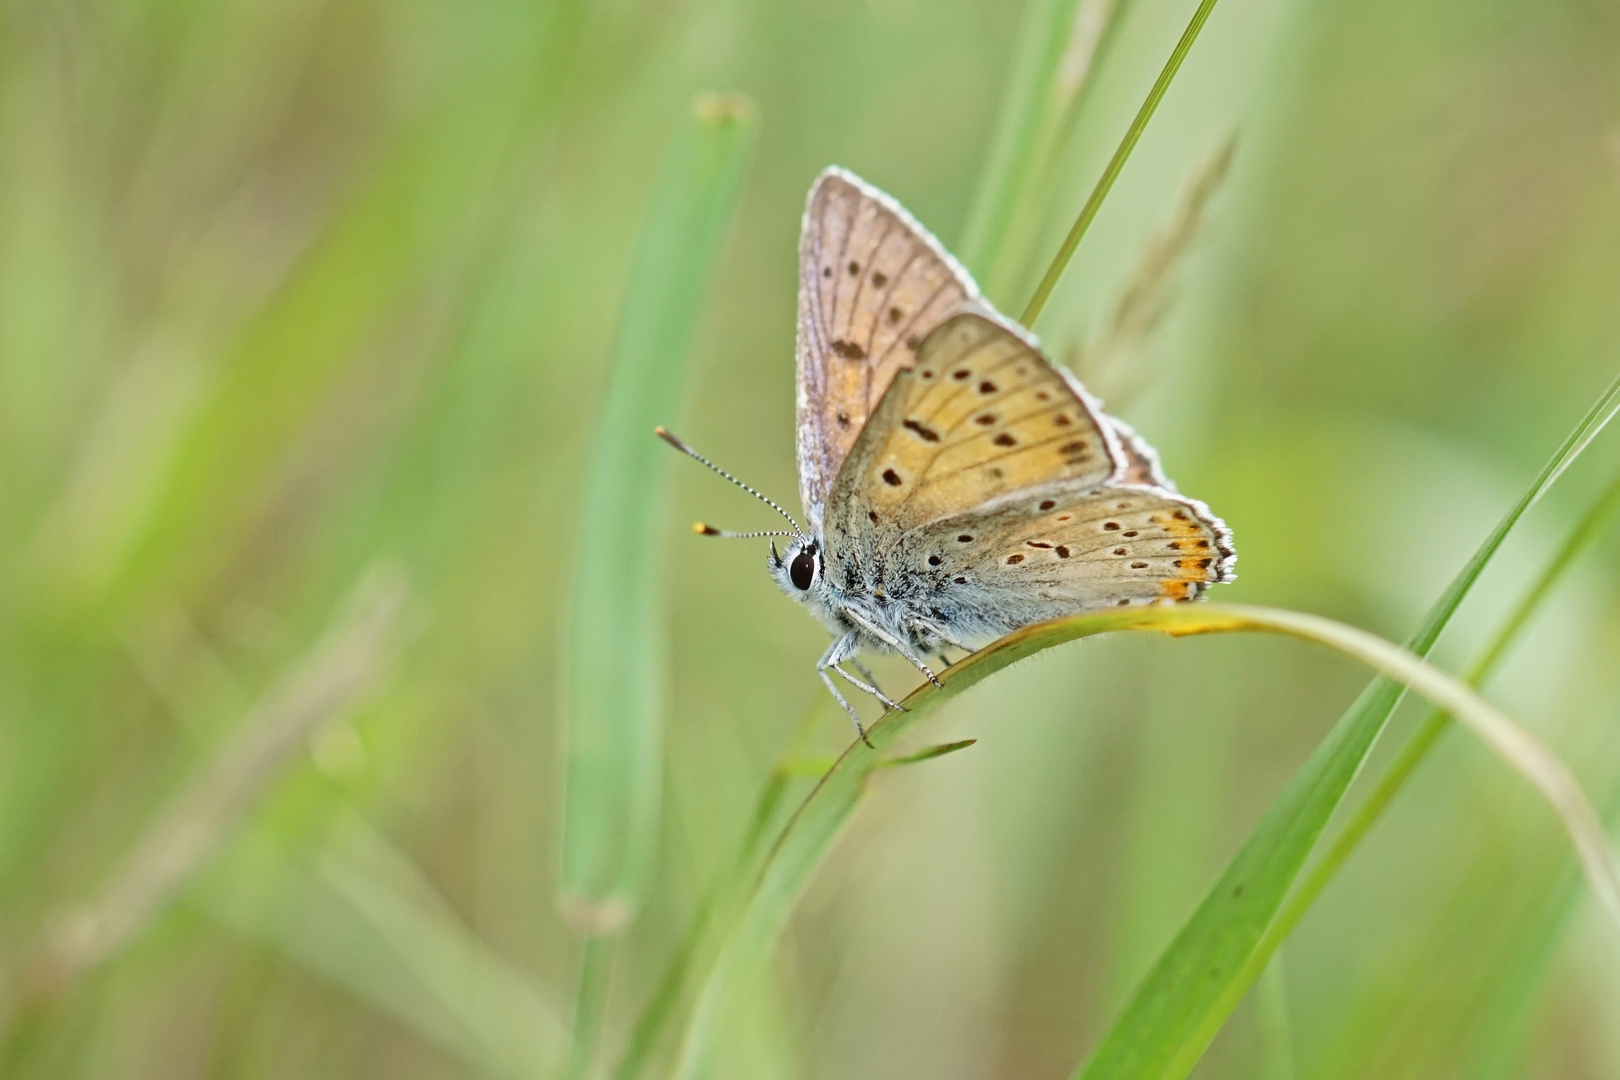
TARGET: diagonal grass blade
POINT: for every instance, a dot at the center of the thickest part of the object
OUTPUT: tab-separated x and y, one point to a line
1201	976
813	828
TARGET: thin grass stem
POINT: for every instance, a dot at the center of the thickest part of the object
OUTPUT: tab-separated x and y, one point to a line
655	1018
721	896
183	839
1276	1023
1110	173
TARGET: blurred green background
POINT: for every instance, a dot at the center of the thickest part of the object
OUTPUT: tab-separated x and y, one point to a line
306	312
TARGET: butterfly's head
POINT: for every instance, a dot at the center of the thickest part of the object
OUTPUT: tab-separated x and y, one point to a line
797	571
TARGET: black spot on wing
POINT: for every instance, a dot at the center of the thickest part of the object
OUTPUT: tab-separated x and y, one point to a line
923	431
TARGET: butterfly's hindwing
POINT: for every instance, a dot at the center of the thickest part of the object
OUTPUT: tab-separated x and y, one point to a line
1118	544
872	284
988	572
1141	460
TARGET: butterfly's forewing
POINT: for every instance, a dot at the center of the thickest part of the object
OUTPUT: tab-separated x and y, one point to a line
872	285
981	418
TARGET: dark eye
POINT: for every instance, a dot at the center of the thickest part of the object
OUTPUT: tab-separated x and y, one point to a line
803	570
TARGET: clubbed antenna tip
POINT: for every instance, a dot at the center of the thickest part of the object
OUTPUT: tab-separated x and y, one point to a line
709	530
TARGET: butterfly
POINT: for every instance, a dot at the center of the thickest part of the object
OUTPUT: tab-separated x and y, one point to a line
957	484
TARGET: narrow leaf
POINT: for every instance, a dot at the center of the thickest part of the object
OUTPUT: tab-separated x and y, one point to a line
616	677
927	753
1204	972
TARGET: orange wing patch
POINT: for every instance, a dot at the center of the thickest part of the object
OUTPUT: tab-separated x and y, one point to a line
1197	563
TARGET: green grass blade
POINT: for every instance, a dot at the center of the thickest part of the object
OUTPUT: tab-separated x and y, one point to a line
1422	740
655	1018
616	651
720	903
1111	171
590	1003
1201	976
810	833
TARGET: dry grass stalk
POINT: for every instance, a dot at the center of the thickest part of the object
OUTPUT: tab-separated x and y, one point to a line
1108	362
185	836
1091	20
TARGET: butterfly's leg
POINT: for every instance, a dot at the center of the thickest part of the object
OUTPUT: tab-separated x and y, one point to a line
865	672
869	688
833	690
894	643
944	661
837	651
844	649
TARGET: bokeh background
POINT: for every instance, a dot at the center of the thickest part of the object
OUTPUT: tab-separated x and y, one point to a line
306	306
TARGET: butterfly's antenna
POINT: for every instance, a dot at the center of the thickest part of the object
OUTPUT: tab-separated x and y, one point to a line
708	530
703	529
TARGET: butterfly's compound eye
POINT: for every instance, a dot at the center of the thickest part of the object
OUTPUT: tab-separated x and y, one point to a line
803	570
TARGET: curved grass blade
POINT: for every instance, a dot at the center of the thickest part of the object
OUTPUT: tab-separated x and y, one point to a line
812	829
1172	1018
1428	733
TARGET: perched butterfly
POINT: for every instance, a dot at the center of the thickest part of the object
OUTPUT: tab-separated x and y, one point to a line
957	484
